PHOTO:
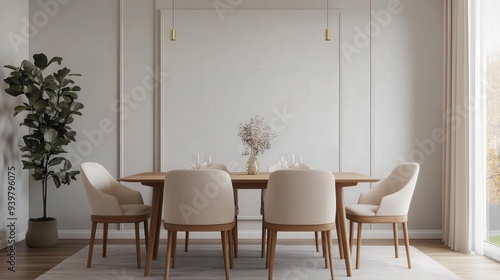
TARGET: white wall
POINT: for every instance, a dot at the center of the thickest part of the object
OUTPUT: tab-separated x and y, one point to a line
14	48
391	102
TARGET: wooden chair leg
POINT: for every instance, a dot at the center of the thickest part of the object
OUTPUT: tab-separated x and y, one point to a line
230	234
225	245
351	235
137	245
316	240
325	252
235	230
146	235
104	240
330	251
268	249
91	245
396	241
407	243
263	245
174	248
169	253
358	244
186	242
272	251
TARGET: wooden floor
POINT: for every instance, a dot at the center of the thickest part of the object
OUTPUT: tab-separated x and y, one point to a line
30	263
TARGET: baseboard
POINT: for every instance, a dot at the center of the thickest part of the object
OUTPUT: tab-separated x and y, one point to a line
251	234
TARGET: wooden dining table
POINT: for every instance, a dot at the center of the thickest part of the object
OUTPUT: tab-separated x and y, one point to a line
241	180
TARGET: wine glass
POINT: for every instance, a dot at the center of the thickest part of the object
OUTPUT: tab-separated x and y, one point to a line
291	163
283	161
207	161
196	161
300	161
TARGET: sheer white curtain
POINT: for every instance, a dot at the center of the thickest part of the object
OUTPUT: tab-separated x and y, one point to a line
456	147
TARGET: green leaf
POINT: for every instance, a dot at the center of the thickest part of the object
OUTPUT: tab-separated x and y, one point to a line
33	89
20	108
40	105
29	123
76	88
40	60
77	106
67	165
78	75
55	161
55	59
28	65
72	95
14	91
61	74
57	181
11	67
28	165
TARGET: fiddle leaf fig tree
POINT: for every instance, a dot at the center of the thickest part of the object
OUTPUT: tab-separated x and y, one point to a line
49	106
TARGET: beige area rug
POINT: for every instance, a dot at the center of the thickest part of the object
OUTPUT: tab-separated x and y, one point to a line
292	262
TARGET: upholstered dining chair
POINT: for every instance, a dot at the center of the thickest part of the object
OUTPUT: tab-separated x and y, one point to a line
223	167
112	202
274	167
387	202
198	200
300	200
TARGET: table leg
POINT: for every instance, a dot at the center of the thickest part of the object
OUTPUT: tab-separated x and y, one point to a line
152	246
158	220
343	229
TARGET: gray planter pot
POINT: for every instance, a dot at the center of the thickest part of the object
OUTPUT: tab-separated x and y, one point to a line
42	234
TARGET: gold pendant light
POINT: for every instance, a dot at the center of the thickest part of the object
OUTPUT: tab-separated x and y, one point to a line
172	31
327	30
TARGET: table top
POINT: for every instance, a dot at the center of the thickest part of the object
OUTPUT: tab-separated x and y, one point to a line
345	178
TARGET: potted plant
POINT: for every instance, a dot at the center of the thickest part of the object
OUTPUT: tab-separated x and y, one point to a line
49	106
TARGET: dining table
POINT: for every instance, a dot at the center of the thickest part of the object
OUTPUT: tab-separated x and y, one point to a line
242	180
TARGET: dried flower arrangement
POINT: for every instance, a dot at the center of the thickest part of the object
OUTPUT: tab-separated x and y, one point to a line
256	135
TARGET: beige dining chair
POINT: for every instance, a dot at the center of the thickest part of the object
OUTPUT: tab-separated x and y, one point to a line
223	167
387	202
198	200
112	202
300	200
274	167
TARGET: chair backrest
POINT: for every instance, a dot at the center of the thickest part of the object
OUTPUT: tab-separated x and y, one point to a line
276	166
105	194
393	194
300	197
198	197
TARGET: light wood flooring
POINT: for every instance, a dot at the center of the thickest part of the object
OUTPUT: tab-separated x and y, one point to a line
30	263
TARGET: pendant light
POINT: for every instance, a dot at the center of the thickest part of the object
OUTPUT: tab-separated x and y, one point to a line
327	30
172	31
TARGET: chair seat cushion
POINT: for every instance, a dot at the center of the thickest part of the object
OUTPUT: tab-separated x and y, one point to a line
361	209
135	209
